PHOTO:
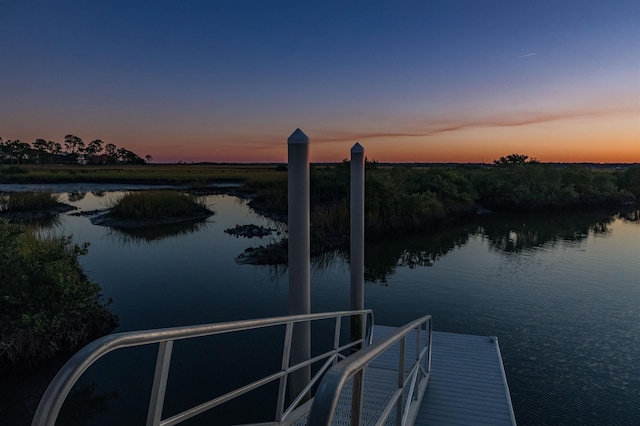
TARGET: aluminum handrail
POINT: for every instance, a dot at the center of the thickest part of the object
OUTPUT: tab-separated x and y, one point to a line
326	398
59	388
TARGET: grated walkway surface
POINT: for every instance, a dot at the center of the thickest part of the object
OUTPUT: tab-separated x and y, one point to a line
467	385
379	384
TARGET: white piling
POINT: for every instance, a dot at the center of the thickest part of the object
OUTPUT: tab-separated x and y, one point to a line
299	253
357	227
356	260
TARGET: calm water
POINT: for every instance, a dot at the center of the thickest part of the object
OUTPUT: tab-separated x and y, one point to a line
562	293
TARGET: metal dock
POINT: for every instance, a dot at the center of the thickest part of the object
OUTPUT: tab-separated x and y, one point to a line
400	375
467	384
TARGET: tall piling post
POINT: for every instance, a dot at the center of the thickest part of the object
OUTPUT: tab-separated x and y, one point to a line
356	246
356	261
299	221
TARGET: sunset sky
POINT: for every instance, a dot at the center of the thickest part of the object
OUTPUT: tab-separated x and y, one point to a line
424	81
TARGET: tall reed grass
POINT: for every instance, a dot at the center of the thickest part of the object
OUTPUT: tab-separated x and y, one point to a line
28	201
157	204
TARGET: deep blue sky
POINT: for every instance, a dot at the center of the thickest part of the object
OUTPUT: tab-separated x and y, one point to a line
412	81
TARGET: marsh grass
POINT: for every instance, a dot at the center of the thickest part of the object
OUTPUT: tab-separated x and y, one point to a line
13	170
187	174
157	204
47	303
28	201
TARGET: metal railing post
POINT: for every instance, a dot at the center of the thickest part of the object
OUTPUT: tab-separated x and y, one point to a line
286	354
336	336
399	404
356	398
156	402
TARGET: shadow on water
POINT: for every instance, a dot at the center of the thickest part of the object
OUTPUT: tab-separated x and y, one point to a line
21	394
156	233
85	403
383	257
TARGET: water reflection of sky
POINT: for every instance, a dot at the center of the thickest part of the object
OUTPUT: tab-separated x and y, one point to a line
182	269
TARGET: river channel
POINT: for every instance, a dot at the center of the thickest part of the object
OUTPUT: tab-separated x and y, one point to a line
561	292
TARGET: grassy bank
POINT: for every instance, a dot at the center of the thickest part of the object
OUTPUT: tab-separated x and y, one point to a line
47	304
187	174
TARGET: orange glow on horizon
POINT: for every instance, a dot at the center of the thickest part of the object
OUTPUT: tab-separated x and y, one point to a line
598	138
610	149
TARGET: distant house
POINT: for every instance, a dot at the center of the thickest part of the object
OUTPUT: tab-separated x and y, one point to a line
100	159
82	159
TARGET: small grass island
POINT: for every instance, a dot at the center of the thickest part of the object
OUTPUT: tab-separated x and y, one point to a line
28	206
153	208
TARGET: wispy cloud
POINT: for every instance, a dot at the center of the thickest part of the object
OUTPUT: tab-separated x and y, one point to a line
340	136
431	127
526	55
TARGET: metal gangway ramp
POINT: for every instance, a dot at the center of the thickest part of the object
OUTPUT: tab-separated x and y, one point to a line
357	381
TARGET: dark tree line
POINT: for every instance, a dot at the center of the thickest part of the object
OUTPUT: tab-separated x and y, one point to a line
72	150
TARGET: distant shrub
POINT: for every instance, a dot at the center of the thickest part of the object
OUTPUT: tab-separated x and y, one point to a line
533	186
630	180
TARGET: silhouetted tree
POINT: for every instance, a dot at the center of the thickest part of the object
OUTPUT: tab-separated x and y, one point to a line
18	150
4	150
514	159
54	147
73	144
112	151
40	145
128	157
94	148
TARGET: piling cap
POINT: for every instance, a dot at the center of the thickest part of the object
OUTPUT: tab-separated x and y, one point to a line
298	137
357	149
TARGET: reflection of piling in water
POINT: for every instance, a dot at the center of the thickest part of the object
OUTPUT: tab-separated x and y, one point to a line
299	253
